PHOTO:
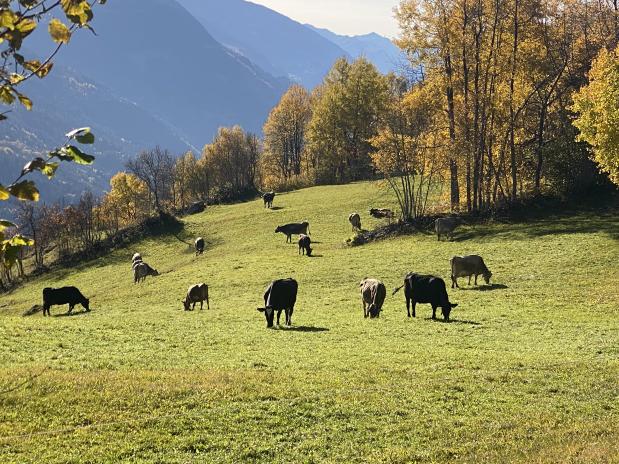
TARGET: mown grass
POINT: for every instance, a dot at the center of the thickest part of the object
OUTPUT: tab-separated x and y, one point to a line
528	371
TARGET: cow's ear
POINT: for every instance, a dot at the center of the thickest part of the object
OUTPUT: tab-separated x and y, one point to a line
261	309
453	305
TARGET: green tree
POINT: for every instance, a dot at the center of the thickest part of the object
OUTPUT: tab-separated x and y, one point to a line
346	115
597	105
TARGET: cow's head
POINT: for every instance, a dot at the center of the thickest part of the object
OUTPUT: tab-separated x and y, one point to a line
278	229
185	304
309	251
269	314
374	311
487	274
447	309
86	304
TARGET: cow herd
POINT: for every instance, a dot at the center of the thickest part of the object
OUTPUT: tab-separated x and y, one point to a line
281	294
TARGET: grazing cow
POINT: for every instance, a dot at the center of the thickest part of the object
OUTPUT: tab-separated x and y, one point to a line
280	295
304	245
446	226
62	296
141	271
426	289
373	293
268	198
293	229
380	213
467	266
196	293
199	244
355	221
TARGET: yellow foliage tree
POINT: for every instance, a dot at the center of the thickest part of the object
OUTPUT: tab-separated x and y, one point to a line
127	203
597	104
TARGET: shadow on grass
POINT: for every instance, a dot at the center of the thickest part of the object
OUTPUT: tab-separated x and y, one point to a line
276	208
304	328
316	256
559	224
80	313
451	321
484	288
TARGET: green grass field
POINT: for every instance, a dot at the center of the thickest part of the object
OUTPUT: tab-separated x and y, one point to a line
528	371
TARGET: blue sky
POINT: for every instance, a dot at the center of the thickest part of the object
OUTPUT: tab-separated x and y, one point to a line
349	17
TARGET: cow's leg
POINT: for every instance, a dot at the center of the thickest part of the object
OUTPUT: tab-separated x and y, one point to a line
70	308
45	310
201	305
279	313
408	304
365	312
433	312
454	281
469	280
414	305
475	279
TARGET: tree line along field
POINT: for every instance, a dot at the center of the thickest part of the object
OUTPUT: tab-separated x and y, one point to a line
527	371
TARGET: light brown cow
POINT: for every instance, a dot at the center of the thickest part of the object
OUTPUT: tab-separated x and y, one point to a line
355	221
196	293
467	266
373	293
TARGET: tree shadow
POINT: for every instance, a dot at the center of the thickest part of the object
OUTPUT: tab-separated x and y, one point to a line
484	288
303	328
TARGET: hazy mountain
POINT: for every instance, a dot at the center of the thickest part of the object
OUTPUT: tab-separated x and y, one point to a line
376	48
157	55
274	42
63	101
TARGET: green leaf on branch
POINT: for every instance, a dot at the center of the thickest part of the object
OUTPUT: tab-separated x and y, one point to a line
78	11
50	169
4	224
36	164
72	153
25	190
6	94
25	101
4	193
19	240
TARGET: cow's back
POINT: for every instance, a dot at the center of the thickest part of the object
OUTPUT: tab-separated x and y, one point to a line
281	294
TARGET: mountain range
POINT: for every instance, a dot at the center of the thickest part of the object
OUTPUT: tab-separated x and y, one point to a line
170	74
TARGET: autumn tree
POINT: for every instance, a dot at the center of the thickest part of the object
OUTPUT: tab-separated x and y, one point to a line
597	105
285	137
346	113
408	148
156	169
231	160
127	202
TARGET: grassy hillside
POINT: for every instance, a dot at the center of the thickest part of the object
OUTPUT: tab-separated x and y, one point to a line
527	371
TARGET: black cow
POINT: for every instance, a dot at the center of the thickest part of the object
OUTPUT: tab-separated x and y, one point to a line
305	245
280	295
62	296
268	198
426	289
199	244
294	228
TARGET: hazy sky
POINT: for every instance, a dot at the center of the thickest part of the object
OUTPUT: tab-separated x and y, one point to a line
349	17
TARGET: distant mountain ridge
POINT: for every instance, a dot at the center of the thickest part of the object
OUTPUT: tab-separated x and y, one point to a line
377	49
276	43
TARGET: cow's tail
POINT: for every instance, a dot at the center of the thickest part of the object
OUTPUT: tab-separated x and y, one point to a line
396	290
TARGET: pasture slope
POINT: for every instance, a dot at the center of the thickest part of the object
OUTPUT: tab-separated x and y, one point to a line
528	371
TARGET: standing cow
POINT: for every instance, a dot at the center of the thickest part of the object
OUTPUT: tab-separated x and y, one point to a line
304	245
268	198
446	226
61	296
467	266
355	221
426	289
196	293
141	270
373	294
199	245
295	228
280	295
